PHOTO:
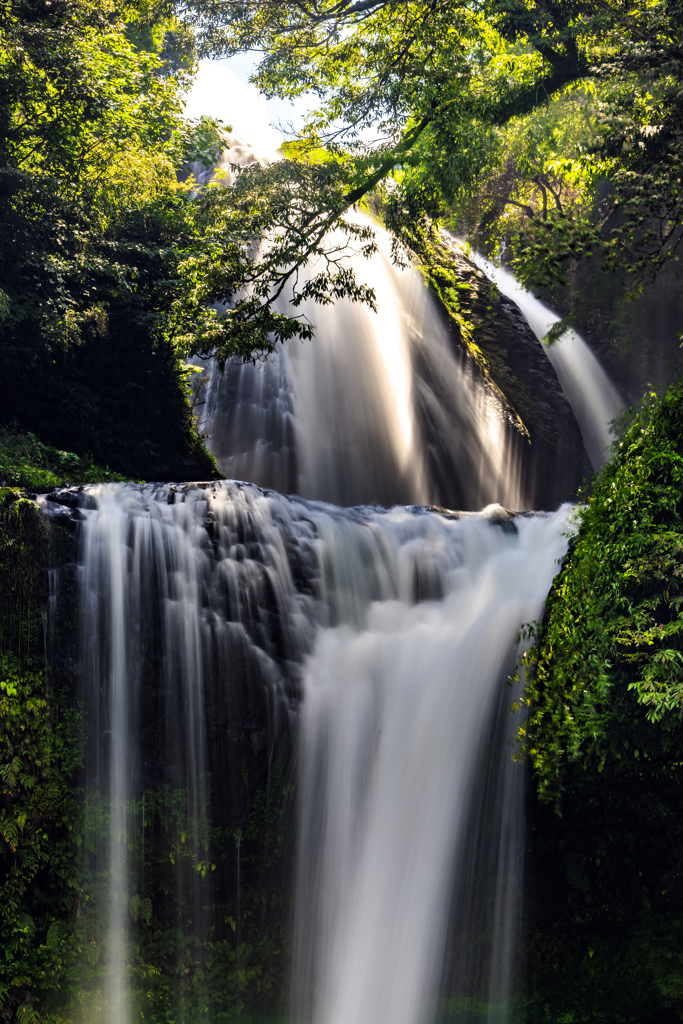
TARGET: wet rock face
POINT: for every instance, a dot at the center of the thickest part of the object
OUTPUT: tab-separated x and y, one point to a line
508	353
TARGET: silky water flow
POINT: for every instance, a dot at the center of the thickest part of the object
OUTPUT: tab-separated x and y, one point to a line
389	635
594	399
383	639
376	409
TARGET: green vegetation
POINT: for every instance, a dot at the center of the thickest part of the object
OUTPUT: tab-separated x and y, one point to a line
522	118
39	752
85	176
26	462
110	267
552	126
231	965
604	737
610	658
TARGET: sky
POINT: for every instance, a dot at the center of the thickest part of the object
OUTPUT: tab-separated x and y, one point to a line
221	89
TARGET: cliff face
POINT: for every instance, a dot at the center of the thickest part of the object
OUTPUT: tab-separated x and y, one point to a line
633	324
493	334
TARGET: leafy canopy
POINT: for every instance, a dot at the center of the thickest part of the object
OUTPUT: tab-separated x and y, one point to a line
513	97
494	114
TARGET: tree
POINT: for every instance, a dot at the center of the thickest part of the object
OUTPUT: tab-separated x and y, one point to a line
443	87
505	104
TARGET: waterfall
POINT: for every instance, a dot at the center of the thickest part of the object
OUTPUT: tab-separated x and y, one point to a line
379	407
401	698
216	618
223	624
590	392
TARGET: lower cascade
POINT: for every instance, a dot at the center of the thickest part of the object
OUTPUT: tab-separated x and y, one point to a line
220	623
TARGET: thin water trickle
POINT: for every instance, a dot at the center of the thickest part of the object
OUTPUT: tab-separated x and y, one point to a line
593	397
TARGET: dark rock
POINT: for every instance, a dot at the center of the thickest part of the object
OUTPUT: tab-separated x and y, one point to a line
63	515
71	497
513	361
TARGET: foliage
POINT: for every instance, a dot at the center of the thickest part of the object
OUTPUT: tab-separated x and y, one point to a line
85	175
39	752
112	270
75	90
603	738
637	112
186	964
37	761
509	103
537	167
86	337
608	665
279	205
471	111
200	140
26	462
23	549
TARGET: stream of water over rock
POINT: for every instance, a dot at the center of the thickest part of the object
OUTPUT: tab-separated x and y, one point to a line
379	408
391	635
215	618
593	397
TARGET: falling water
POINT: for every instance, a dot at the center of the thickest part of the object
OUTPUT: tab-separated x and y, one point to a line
383	639
140	577
593	397
402	696
379	407
389	635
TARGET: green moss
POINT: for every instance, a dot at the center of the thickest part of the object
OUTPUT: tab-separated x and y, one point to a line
609	658
439	270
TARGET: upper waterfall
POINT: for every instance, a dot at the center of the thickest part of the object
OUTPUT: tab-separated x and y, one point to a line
383	407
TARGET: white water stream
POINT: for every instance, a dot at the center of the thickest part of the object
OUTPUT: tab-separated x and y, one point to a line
593	397
374	409
397	629
397	712
384	638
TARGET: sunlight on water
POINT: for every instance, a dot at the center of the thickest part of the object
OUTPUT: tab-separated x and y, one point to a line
359	413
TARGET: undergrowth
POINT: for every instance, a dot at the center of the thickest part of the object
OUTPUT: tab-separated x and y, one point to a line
604	736
28	463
